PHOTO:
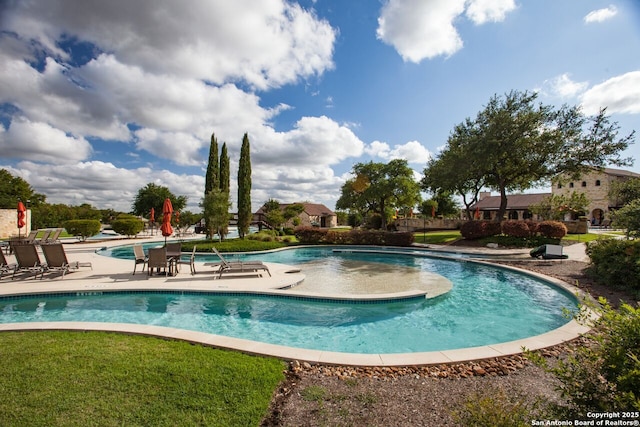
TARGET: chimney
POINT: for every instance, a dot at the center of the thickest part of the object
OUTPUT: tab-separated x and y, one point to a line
485	194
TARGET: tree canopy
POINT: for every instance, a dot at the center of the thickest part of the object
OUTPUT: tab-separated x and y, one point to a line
152	196
378	187
514	144
14	189
212	177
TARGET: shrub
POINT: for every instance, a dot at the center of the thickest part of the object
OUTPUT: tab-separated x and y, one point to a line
552	229
127	227
82	228
516	228
472	230
615	262
496	408
603	376
310	235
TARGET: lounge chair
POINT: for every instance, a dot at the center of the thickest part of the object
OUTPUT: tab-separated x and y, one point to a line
31	238
140	257
158	260
28	260
55	236
5	267
42	240
227	267
57	260
190	261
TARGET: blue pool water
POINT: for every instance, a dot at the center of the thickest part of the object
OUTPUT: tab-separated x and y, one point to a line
487	305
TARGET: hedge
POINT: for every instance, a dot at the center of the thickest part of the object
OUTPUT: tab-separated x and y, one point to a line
472	230
311	235
82	228
552	229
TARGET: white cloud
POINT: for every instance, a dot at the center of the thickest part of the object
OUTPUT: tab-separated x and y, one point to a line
274	43
102	184
620	94
562	86
40	142
601	15
420	29
412	151
482	11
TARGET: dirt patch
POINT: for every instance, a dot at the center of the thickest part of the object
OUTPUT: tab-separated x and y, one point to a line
423	396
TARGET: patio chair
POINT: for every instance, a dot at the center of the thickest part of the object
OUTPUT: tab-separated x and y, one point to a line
190	261
5	267
158	260
57	260
28	260
227	267
43	239
55	236
140	257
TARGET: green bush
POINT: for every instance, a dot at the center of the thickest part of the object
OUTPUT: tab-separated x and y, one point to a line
552	229
472	230
82	228
604	375
127	227
615	262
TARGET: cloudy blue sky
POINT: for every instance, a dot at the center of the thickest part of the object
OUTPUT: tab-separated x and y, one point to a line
99	98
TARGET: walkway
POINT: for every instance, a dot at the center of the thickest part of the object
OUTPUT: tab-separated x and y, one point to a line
112	274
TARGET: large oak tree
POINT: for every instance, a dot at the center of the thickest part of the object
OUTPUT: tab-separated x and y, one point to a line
515	144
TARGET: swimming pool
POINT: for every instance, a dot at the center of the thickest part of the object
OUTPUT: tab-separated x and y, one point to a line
487	305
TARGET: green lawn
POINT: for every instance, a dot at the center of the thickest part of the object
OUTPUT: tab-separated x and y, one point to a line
103	379
437	237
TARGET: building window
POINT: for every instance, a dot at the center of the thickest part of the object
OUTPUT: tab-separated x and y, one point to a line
559	185
584	183
571	185
597	183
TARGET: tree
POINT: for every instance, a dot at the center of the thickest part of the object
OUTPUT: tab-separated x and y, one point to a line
556	206
244	188
625	191
152	196
379	187
454	172
523	145
291	212
14	189
225	173
446	206
216	212
212	178
273	214
628	217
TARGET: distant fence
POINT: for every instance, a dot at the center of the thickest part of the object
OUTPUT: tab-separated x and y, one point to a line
9	223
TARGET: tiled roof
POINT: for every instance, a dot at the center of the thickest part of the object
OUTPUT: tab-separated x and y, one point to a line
514	201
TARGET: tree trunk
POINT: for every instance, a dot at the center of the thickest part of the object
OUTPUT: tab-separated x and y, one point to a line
503	204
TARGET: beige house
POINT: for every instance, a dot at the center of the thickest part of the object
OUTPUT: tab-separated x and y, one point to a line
313	215
596	185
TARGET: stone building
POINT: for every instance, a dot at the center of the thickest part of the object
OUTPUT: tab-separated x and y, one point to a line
596	185
517	205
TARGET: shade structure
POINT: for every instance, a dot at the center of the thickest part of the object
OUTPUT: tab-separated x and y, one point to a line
167	210
21	216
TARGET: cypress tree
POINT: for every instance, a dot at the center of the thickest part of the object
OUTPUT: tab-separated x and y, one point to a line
225	173
212	178
244	189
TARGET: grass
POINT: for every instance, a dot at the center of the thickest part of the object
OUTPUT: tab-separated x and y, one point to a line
104	379
437	237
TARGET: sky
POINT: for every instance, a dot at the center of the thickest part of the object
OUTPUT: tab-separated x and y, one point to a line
99	98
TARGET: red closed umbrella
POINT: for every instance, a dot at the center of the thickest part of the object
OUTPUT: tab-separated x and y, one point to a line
167	210
152	218
21	216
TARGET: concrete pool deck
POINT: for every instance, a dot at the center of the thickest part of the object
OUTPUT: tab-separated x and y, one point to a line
112	274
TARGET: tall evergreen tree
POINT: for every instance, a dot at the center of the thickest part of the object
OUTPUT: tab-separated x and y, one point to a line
225	173
244	189
212	179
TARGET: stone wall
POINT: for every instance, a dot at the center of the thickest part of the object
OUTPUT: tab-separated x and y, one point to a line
418	224
9	226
